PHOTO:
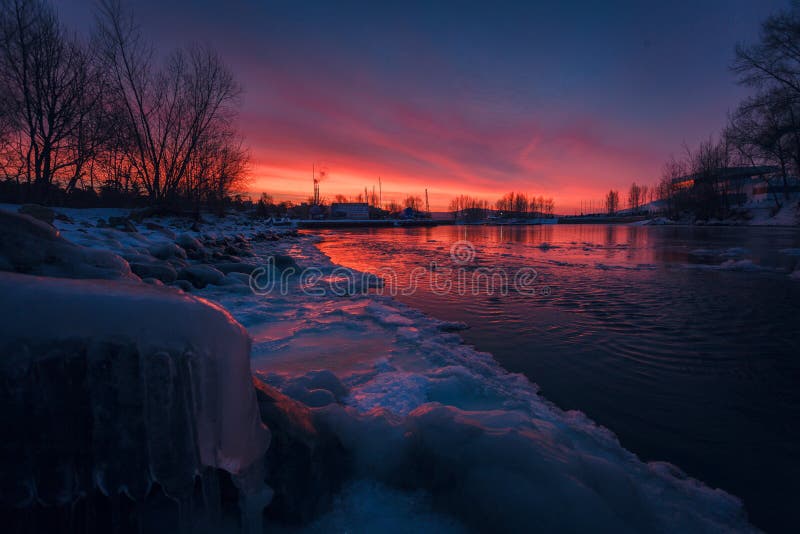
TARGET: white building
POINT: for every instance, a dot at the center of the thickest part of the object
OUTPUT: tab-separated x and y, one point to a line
350	210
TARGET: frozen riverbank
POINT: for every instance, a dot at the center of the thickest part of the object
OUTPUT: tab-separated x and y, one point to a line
438	436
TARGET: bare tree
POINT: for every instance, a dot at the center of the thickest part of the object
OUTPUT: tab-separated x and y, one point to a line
644	195
469	208
46	84
168	111
775	59
414	202
520	205
612	202
673	186
634	197
766	127
710	191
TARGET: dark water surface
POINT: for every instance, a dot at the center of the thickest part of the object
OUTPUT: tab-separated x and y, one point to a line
685	341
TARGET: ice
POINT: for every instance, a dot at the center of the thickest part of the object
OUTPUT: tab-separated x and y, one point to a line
387	315
734	252
368	506
639	267
503	470
740	265
156	383
31	246
744	265
437	436
703	252
425	413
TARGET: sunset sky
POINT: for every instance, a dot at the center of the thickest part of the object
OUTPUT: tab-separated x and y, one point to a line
563	100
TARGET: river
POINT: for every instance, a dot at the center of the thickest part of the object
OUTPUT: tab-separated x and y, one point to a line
684	341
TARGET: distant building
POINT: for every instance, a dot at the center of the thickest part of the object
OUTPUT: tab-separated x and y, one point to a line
350	210
740	184
316	211
768	191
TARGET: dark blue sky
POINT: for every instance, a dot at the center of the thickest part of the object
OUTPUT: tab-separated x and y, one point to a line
565	100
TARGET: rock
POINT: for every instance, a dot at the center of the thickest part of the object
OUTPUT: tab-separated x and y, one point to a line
452	326
138	257
237	279
232	267
161	271
63	218
165	251
30	246
157	227
177	263
316	388
183	285
201	275
283	262
152	281
314	398
194	249
327	380
38	212
188	242
264	236
306	462
122	223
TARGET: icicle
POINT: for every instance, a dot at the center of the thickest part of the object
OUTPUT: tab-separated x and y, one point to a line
185	514
254	496
209	484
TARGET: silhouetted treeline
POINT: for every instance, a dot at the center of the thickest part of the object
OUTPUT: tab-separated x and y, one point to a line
106	118
764	131
510	205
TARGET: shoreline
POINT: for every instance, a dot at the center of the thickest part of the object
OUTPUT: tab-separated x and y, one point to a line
402	384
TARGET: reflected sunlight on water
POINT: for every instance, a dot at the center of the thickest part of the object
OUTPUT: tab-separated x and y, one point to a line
683	340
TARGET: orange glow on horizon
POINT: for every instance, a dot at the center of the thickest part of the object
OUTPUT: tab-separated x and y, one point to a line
292	181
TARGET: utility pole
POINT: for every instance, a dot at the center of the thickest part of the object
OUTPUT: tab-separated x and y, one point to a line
380	193
427	206
316	185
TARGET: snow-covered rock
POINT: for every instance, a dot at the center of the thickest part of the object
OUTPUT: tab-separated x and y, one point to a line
193	247
160	271
306	463
234	267
165	251
201	275
30	246
42	213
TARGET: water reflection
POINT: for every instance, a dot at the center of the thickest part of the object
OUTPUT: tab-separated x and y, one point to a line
684	341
